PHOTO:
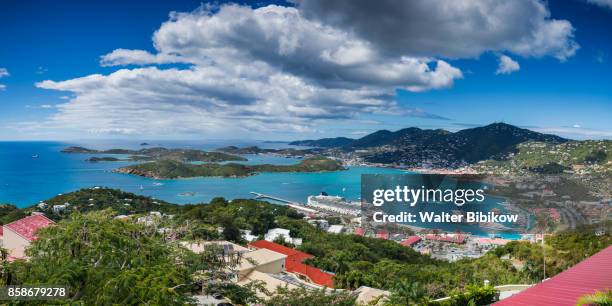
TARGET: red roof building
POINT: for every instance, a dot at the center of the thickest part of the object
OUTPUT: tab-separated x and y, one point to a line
593	273
359	231
28	226
293	263
455	238
382	235
410	241
18	235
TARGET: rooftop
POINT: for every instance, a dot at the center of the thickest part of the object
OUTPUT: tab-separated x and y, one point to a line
410	240
28	226
566	287
294	264
259	257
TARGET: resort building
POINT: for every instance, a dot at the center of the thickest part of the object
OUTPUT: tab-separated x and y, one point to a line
18	235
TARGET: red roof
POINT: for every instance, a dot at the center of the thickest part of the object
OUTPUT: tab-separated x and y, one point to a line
382	235
359	231
293	262
28	226
446	238
593	273
292	254
410	240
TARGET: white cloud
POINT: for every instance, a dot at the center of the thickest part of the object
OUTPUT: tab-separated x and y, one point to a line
279	68
604	3
507	65
2	87
4	72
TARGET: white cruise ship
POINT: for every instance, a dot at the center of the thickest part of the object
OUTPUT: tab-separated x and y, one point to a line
334	204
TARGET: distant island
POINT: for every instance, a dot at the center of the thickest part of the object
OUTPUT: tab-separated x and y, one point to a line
169	169
158	153
96	159
258	150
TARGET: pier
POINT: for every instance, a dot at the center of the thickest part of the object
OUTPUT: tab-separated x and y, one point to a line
294	205
265	196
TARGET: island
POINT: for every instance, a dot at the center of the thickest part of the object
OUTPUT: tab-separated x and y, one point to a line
159	153
257	150
170	169
96	159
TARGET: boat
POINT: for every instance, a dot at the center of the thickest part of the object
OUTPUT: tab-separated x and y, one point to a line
158	184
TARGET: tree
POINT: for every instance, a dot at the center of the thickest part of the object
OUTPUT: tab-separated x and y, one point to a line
599	298
106	261
308	297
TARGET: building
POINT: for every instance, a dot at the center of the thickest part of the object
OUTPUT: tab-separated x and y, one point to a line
276	233
336	229
18	235
359	231
370	296
293	263
452	238
382	234
410	241
565	288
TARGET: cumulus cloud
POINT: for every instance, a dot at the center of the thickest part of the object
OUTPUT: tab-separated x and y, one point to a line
2	87
507	65
450	28
279	68
604	3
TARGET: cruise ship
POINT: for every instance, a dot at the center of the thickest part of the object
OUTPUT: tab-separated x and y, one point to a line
334	204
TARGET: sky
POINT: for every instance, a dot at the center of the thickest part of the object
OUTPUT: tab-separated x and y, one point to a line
302	69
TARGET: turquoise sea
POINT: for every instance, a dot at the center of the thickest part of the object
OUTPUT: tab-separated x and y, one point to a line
34	171
25	180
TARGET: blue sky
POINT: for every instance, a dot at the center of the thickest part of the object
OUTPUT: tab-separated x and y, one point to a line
273	75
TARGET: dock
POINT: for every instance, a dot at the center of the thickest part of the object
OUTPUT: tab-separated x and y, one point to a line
292	204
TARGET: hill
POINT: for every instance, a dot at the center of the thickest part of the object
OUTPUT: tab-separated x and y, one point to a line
324	142
440	148
168	169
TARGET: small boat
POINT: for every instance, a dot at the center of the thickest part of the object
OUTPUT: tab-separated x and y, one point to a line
141	188
158	184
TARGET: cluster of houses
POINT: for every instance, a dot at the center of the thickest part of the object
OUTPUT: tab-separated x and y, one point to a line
278	266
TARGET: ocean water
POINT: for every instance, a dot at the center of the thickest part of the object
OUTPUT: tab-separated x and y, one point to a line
25	180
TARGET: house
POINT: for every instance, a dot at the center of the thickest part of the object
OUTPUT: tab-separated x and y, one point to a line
19	234
293	263
276	233
382	234
336	229
410	241
370	296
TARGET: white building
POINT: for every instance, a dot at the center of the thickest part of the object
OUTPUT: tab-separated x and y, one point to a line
336	229
274	234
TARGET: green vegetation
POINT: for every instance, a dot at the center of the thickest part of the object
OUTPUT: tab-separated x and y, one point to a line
599	298
585	157
102	159
139	263
173	169
179	155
